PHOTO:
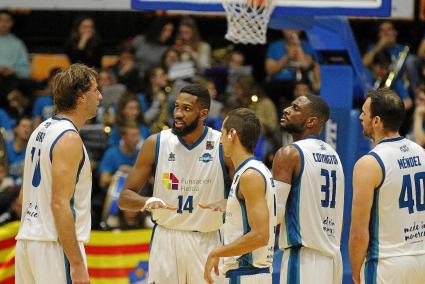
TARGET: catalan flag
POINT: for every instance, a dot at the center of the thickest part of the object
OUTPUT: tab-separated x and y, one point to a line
111	256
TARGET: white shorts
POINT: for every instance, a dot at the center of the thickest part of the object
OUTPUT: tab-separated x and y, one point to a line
304	265
179	257
408	269
39	262
253	276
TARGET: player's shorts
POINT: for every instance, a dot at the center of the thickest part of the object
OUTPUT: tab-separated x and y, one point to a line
249	276
409	269
179	257
39	262
305	265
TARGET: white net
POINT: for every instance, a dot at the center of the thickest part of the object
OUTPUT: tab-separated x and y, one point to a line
247	20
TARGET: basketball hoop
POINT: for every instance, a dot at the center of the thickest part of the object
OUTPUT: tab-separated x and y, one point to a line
247	20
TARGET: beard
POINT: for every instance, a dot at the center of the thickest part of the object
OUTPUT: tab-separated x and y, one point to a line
187	129
292	128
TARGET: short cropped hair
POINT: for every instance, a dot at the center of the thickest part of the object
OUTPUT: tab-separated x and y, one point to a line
70	83
318	107
199	91
247	126
386	104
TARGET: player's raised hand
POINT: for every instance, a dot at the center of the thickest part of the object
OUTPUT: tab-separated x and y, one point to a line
154	203
219	206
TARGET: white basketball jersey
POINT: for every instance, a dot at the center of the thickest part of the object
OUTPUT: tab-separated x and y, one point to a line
315	206
236	221
186	176
397	221
37	221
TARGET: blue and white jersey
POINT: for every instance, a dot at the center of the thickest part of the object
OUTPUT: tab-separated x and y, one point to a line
186	176
37	222
236	222
315	206
397	221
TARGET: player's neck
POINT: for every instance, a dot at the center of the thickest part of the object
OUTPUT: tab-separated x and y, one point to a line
193	137
378	137
239	156
74	117
301	136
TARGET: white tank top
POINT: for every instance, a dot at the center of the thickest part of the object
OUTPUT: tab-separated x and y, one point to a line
37	221
315	207
186	176
397	221
236	221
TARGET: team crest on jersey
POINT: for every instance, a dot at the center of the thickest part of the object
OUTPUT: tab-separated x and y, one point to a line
322	147
209	145
404	148
206	157
170	181
171	157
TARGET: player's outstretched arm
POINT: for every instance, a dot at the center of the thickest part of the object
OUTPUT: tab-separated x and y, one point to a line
140	173
367	176
286	166
66	158
252	190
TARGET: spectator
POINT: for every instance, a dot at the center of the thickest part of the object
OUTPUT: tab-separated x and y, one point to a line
125	69
288	60
14	63
129	111
169	58
419	115
149	49
84	44
415	66
191	46
387	39
16	148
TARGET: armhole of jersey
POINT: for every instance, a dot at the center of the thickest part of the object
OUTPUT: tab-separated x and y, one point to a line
56	140
226	178
381	164
80	167
158	140
298	178
257	170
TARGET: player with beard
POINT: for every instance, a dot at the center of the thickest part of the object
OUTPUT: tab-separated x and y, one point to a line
310	196
189	171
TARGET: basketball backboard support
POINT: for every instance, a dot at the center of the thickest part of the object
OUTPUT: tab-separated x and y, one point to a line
377	8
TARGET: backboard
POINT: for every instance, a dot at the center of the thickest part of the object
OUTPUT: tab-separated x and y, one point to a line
380	8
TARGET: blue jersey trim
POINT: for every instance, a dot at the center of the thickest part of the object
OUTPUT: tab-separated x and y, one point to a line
56	140
158	140
190	147
381	164
292	216
246	259
56	117
226	176
153	234
391	139
67	269
233	273
298	178
293	276
244	163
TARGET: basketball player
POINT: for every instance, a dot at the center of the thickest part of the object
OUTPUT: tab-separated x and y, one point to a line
57	186
387	237
311	172
250	222
188	167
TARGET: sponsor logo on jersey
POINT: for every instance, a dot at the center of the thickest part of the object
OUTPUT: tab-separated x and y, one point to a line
209	145
206	157
171	157
170	181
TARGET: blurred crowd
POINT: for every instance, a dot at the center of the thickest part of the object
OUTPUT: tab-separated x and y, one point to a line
140	88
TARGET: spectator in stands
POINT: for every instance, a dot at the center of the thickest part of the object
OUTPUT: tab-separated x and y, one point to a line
387	40
151	47
287	61
84	44
156	101
302	88
14	62
112	91
10	208
415	66
170	57
129	111
125	69
43	107
215	105
16	148
236	68
189	43
380	70
419	116
6	125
